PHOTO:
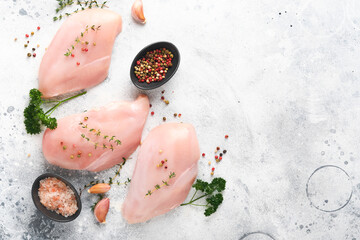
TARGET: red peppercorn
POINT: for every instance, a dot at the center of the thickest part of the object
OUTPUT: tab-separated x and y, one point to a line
213	169
226	136
162	161
72	55
220	158
78	63
27	35
216	157
86	49
179	115
38	28
203	154
162	98
152	113
34	54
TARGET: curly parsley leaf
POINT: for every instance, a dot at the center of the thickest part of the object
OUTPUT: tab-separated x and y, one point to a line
209	189
35	116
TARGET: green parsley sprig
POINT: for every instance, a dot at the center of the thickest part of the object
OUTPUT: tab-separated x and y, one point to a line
35	115
212	192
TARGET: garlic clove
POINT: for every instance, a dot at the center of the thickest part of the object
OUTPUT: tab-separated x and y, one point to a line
101	210
99	188
137	11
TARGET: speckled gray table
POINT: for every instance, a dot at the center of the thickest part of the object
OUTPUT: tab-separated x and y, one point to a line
280	77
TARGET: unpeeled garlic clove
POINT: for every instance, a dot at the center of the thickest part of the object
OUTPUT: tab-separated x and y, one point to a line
99	188
137	11
101	210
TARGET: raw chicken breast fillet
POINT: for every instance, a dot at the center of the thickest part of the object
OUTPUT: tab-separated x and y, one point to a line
90	140
60	74
176	144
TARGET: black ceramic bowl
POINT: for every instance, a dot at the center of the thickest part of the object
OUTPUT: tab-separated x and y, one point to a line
51	214
175	61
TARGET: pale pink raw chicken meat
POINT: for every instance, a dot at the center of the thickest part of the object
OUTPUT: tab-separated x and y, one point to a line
72	144
60	74
176	144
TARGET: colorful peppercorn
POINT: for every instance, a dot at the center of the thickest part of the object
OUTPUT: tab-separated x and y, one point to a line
38	28
153	66
152	113
203	154
226	136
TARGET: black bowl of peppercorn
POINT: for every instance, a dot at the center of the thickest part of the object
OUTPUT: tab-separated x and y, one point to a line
154	65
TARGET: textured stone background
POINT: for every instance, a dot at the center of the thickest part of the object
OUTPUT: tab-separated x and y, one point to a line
280	77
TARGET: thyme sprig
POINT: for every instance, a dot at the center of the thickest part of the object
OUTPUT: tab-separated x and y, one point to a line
98	134
111	179
79	40
157	186
82	6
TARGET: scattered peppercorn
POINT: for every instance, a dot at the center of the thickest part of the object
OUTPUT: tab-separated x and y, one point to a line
25	45
162	97
27	35
162	91
152	113
32	33
212	173
220	154
216	157
220	158
164	119
224	151
15	39
78	63
38	46
150	105
153	66
226	136
203	154
209	163
165	167
34	54
175	114
33	49
72	156
179	115
217	148
89	154
213	169
167	101
29	54
86	118
64	147
38	28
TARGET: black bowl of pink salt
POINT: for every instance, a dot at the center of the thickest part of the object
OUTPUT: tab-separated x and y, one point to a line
56	198
154	65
